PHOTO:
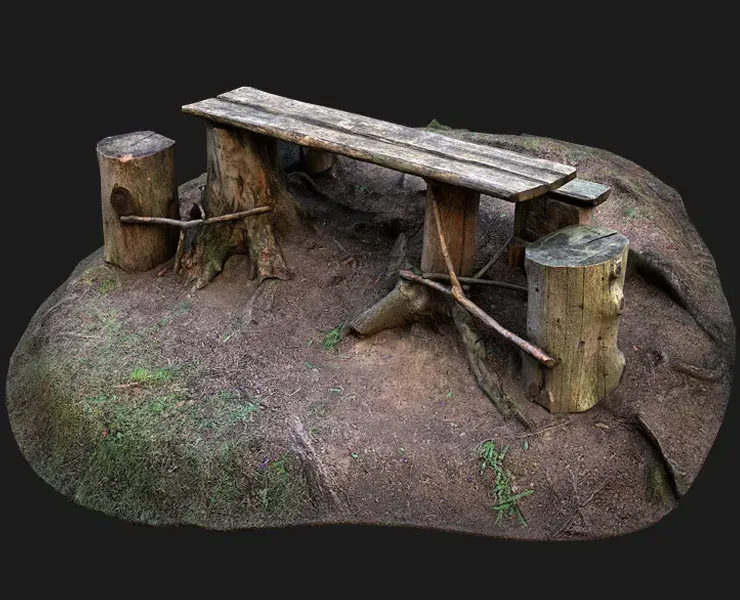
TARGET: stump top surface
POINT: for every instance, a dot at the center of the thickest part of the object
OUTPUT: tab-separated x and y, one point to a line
577	246
493	171
135	145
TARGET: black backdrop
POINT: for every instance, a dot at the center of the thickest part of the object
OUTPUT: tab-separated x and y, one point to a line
660	105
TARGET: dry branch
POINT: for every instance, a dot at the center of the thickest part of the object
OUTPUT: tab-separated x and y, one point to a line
493	261
457	291
476	281
536	353
194	222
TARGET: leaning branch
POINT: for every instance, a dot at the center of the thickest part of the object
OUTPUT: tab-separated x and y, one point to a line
457	291
495	258
473	309
194	222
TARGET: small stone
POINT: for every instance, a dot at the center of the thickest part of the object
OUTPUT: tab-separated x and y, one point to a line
602	425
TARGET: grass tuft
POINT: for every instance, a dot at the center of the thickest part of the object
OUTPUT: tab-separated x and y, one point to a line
333	338
505	499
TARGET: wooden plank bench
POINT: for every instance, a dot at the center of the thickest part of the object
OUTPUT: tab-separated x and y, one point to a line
456	171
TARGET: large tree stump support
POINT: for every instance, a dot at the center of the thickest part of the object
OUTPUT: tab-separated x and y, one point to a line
576	279
137	177
243	174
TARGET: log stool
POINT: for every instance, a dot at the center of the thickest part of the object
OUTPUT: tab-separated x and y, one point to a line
137	177
575	280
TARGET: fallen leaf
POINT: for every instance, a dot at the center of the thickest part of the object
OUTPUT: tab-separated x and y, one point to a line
163	271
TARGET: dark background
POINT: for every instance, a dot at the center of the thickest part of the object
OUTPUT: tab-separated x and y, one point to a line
663	104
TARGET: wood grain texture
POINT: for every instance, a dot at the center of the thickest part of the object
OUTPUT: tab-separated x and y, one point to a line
493	171
137	176
580	192
575	278
458	209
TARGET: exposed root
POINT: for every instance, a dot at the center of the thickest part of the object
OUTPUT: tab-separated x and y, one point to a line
323	489
694	371
486	378
405	304
670	465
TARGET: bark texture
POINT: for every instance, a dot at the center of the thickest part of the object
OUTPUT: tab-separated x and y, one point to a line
575	278
242	175
137	177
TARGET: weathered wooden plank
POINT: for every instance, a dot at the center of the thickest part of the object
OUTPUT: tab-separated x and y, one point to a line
582	192
498	158
499	182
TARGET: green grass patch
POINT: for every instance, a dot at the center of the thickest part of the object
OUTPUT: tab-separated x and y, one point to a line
158	376
505	499
332	338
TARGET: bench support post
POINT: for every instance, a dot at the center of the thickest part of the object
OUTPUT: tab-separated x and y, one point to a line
243	174
458	209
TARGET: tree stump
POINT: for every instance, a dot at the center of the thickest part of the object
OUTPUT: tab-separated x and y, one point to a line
576	279
137	177
243	174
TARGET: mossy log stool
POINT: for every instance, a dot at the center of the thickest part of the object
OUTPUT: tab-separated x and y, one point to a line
570	204
575	278
137	177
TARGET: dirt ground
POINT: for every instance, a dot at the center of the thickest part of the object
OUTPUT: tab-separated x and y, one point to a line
137	396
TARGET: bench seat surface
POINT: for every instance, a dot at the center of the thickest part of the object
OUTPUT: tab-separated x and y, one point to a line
582	193
493	171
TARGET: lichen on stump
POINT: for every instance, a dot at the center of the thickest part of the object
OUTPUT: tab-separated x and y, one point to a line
575	279
243	174
137	177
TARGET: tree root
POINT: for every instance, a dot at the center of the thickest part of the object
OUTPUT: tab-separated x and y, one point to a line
486	378
673	470
322	487
405	304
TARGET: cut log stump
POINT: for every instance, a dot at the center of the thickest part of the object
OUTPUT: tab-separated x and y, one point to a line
137	177
243	174
575	279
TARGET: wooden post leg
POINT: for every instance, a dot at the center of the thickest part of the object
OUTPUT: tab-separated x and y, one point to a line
458	209
515	258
